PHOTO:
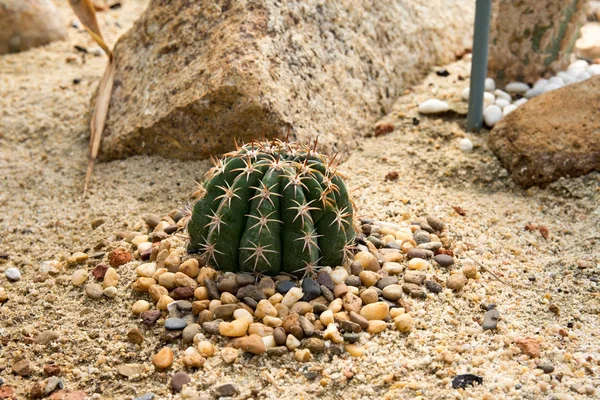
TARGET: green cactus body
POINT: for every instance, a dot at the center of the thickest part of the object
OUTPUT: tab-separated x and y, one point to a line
272	207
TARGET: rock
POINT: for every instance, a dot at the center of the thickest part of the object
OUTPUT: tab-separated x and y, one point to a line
146	396
46	337
433	287
253	344
175	323
545	366
386	281
119	257
93	290
111	278
517	87
413	290
25	24
292	296
367	261
236	328
280	336
52	369
375	311
226	390
189	332
393	292
369	296
256	62
12	274
178	380
277	351
311	289
163	359
323	278
417	253
433	106
53	383
130	370
416	277
229	355
465	380
529	346
150	317
588	44
465	145
225	311
456	282
135	336
349	326
551	136
284	286
21	368
404	322
3	295
79	277
491	115
444	260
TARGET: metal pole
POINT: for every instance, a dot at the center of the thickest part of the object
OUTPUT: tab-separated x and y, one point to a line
481	36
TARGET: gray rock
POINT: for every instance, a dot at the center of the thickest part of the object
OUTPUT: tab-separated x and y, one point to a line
261	66
212	327
353	280
421	237
307	326
189	332
436	223
178	380
173	324
433	287
386	281
351	337
418	253
225	311
416	277
545	366
444	260
147	396
413	290
211	287
12	274
277	351
490	319
226	389
245	279
53	383
433	246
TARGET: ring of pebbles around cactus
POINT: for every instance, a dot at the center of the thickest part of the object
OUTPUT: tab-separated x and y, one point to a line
335	310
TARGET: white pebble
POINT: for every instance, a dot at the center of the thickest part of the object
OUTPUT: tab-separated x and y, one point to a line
557	80
508	109
433	106
551	86
465	94
465	144
517	87
502	94
488	99
502	103
12	274
490	84
491	115
540	82
594	69
567	78
583	75
535	92
578	64
520	102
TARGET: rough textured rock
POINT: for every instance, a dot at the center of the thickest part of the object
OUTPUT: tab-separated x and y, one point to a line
29	23
553	135
530	39
191	76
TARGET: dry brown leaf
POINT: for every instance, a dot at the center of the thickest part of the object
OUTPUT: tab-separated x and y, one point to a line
85	11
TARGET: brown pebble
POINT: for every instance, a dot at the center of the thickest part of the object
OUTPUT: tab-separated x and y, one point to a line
529	346
21	368
183	293
119	257
52	369
150	317
369	296
359	319
179	380
99	271
280	336
135	336
253	344
340	290
36	391
163	359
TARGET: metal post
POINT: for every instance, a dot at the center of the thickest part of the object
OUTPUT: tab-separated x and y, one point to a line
481	36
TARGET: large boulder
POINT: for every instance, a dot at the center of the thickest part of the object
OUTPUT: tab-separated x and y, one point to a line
554	135
192	75
29	23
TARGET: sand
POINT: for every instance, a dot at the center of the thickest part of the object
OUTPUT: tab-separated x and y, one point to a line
43	216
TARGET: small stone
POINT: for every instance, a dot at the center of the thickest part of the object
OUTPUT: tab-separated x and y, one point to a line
46	337
431	246
413	290
339	275
359	319
456	282
225	311
340	290
135	336
311	289
369	296
130	370
52	384
517	87
368	261
375	311
436	223
211	286
352	302
236	328
470	271
355	267
226	389
280	336
193	360
418	264
111	278
490	319
12	274
491	115
392	292
52	369
386	281
292	296
417	253
150	317
376	326
175	324
302	355
3	295
21	368
353	280
355	350
96	222
285	286
443	260
79	277
307	327
349	326
110	292
433	287
93	290
163	359
301	308
36	391
404	322
264	308
529	346
253	344
266	286
119	257
323	278
277	351
211	327
229	354
228	285
179	380
433	106
189	332
545	366
183	293
146	396
244	279
327	293
392	268
291	342
369	278
421	237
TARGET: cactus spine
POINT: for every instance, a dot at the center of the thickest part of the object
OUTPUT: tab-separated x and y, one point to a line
272	207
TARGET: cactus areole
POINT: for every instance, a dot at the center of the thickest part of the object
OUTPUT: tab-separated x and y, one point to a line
271	208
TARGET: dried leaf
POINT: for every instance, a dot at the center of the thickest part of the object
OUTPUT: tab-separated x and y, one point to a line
85	11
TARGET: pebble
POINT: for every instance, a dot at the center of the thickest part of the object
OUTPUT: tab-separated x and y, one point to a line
51	369
146	270
253	344
243	279
280	336
21	368
353	280
228	285
433	287
490	84
291	342
517	87
226	390
146	396
367	261
225	311
416	277
119	257
443	260
417	253
189	332
349	326
404	322
93	290
413	290
314	345
150	317
53	383
393	292
311	289
491	115
456	282
229	354
352	302
529	346
437	224
163	359
175	323
236	328
292	296
465	145
359	319
508	109
501	94
375	311
135	336
386	281
79	277
284	287
47	337
12	274
433	106
340	290
545	366
110	292
323	278
130	370
339	275
3	295
392	268
418	264
369	296
266	286
430	246
211	287
111	278
179	380
369	278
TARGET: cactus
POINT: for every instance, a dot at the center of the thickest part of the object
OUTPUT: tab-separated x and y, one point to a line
270	208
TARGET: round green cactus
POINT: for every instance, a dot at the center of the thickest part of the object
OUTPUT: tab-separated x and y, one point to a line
270	208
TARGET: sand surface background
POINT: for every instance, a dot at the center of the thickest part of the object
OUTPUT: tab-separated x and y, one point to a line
43	154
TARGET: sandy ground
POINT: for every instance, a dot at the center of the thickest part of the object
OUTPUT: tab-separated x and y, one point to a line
43	153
